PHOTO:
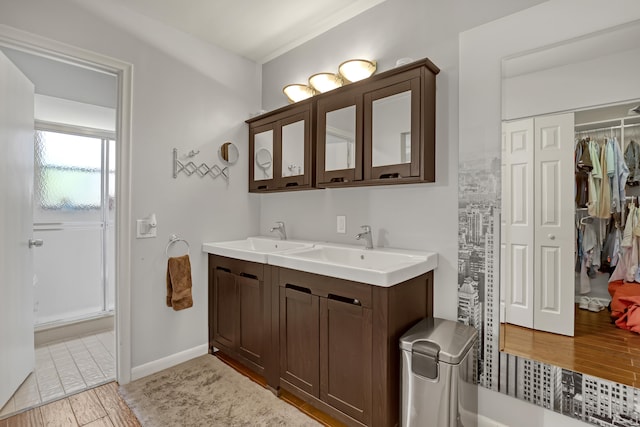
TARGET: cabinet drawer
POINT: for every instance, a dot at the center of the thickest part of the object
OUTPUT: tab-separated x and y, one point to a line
253	270
325	286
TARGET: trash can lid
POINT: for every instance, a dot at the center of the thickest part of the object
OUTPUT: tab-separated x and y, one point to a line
454	339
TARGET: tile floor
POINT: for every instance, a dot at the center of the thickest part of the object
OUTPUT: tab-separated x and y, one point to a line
64	368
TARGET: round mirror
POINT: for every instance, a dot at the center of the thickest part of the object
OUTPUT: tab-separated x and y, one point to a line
229	152
263	158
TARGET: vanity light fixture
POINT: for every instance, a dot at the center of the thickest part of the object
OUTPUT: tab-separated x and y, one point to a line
297	92
324	82
357	69
349	71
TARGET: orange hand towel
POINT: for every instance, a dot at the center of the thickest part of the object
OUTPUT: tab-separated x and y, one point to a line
179	283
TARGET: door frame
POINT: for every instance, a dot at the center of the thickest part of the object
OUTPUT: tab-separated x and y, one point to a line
37	45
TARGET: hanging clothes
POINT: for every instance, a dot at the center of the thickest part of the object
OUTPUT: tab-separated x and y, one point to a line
632	160
594	179
583	165
618	172
604	210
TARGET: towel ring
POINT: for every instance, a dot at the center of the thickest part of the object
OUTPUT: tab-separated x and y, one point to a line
175	239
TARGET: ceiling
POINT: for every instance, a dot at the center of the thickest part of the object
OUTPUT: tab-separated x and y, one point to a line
258	30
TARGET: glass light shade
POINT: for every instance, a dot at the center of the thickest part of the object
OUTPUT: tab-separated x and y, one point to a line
324	82
297	92
357	69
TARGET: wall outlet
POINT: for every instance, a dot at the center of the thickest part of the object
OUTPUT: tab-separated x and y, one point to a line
341	224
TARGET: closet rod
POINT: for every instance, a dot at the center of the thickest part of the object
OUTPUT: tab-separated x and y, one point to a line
610	128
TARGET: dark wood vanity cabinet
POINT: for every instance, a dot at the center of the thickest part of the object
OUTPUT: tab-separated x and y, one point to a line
339	342
331	342
281	147
240	311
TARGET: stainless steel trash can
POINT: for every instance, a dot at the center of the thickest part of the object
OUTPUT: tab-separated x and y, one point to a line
438	382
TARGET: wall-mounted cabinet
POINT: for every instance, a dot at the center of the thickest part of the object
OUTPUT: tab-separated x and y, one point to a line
373	132
280	146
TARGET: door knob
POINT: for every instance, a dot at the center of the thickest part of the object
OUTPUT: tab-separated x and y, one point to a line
552	236
35	242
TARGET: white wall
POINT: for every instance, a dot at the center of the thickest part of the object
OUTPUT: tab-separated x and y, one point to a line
188	95
408	216
605	79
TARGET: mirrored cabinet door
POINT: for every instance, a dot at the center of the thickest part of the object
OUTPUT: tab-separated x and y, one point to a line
392	131
261	152
339	139
293	149
263	155
281	147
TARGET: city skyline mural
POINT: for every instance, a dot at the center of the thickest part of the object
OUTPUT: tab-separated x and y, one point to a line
590	399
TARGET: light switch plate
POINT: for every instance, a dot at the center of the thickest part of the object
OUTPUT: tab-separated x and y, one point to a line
341	224
143	231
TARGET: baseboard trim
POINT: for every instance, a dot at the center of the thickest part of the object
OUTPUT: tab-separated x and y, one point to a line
488	422
158	365
59	331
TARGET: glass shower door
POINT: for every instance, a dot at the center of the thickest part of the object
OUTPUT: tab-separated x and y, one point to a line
72	217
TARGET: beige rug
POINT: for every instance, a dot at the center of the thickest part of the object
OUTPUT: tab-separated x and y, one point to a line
207	392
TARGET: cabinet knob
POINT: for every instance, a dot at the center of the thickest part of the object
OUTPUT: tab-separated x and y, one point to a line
552	236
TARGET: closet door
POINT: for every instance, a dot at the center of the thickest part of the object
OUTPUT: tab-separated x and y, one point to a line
518	217
554	224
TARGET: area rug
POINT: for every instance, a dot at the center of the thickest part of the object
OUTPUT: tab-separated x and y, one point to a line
206	392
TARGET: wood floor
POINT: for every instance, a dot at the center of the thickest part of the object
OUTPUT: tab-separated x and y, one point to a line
98	407
599	348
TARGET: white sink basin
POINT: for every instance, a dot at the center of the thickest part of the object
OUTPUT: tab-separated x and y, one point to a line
254	249
381	267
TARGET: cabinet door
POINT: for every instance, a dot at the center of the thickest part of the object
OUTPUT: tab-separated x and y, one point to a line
281	150
251	341
392	131
295	150
345	347
339	139
225	303
261	148
299	340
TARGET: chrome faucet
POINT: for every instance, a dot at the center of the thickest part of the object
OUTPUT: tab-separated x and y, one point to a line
280	228
366	233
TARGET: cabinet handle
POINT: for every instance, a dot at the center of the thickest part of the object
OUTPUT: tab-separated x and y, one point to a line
337	179
552	236
291	184
390	175
262	187
298	288
353	301
250	276
223	269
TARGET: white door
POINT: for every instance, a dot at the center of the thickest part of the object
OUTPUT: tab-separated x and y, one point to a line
16	195
554	281
517	214
538	217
